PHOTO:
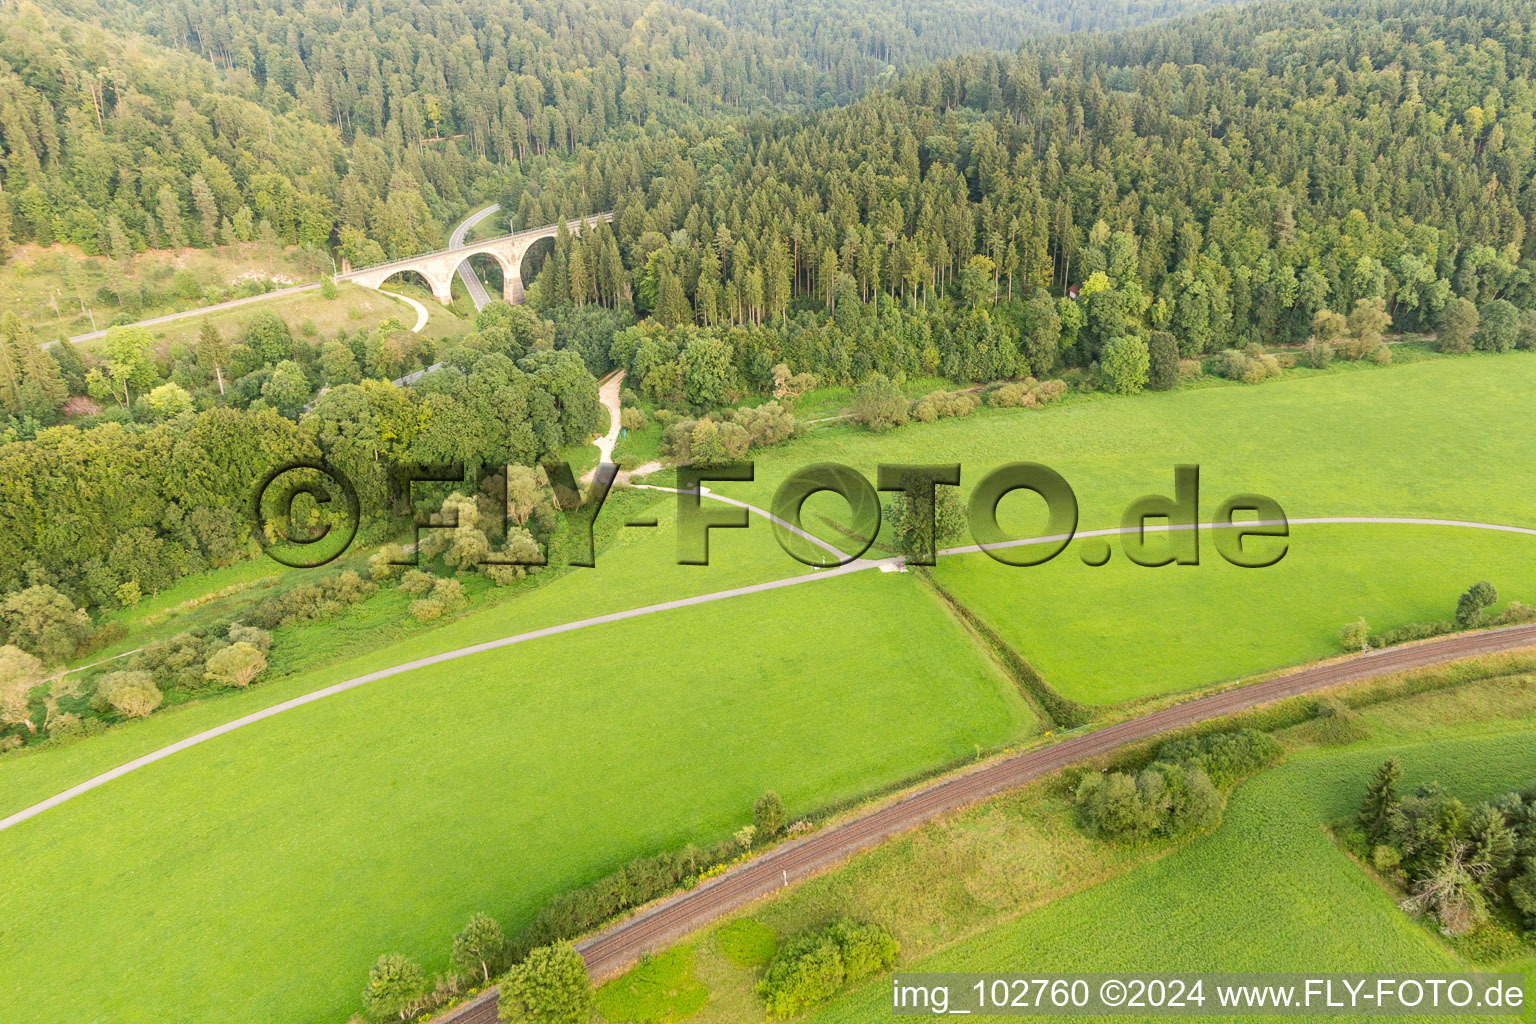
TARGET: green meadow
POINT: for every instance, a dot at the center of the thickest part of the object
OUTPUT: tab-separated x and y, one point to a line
381	819
1123	631
1268	890
493	781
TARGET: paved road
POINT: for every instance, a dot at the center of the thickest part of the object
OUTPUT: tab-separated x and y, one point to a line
421	311
614	948
217	307
467	273
858	565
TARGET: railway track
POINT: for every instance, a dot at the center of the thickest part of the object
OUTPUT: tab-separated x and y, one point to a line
618	945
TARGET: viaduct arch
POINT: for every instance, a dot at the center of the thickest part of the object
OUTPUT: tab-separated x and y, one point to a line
439	267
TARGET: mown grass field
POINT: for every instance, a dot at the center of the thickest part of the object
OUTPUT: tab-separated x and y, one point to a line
1441	437
491	782
1267	891
380	820
1123	631
1013	884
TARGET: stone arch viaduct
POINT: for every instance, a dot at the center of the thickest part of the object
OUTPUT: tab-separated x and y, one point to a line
439	267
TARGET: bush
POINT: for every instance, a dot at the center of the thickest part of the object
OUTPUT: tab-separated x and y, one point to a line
1355	636
416	583
1029	393
480	947
257	638
768	815
1227	757
130	693
1498	326
1458	324
1249	365
550	986
632	418
236	665
1163	361
1335	722
1125	365
1115	805
807	970
941	404
1471	606
866	949
812	966
383	563
879	404
308	602
395	988
1318	354
44	622
446	598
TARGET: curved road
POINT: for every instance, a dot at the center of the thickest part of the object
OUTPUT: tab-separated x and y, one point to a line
467	273
857	565
421	311
617	946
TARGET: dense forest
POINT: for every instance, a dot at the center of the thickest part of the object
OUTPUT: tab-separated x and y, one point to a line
332	125
1108	206
1170	175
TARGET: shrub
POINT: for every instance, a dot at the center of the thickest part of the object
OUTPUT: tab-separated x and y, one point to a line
480	947
550	986
237	665
1249	365
416	583
395	988
1318	354
633	418
20	672
1381	355
768	815
307	602
765	425
1498	326
1114	806
812	966
1336	722
1227	757
1124	365
1458	323
257	638
382	564
44	622
1522	892
1029	393
879	404
865	948
807	970
1355	636
1191	368
1472	605
447	597
1525	337
130	693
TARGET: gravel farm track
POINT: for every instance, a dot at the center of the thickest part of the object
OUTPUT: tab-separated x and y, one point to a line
619	945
